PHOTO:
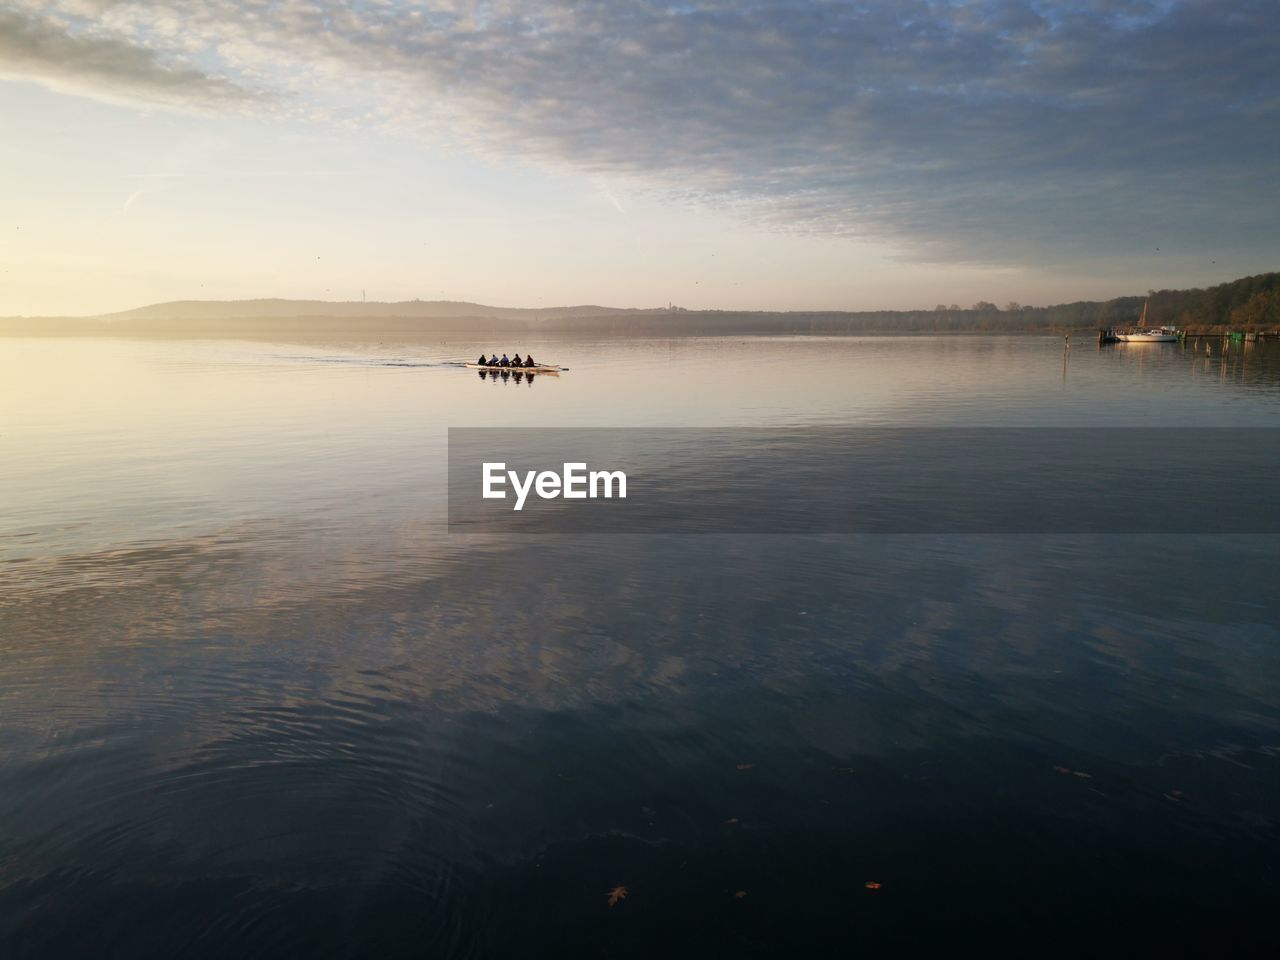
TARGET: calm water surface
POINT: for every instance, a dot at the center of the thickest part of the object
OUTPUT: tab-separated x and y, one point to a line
256	701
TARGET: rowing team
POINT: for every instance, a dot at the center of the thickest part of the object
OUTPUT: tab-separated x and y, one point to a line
504	362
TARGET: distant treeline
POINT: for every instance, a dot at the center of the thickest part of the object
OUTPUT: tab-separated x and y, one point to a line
953	319
1248	303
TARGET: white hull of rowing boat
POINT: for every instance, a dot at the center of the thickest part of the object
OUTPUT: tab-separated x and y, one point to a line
496	369
1149	338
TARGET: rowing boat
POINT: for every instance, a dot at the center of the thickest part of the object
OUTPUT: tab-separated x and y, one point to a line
497	369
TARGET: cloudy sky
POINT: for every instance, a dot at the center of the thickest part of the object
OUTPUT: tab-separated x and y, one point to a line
714	153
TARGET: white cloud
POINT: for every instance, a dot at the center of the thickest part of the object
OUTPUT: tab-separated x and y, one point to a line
994	131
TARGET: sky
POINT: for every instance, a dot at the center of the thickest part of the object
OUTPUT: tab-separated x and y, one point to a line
734	154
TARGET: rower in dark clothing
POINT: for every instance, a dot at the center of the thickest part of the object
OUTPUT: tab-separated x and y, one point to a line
516	361
528	361
504	362
482	361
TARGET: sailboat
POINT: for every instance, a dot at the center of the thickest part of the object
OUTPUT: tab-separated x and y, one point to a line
1144	334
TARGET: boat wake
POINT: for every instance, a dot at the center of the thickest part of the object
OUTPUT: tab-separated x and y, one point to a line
373	361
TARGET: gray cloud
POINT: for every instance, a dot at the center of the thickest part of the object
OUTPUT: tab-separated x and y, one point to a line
997	131
107	67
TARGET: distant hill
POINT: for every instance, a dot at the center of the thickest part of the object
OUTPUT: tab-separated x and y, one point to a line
282	309
1247	303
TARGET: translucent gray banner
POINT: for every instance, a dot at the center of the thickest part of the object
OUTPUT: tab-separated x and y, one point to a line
864	480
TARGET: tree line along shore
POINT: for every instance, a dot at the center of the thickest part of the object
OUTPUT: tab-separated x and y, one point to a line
1250	304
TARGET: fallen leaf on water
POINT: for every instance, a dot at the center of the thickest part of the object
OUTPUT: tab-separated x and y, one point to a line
1074	773
732	820
617	893
745	766
740	894
872	885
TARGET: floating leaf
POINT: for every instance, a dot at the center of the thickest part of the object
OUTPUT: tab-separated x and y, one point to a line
731	820
617	893
745	766
872	885
740	894
1067	771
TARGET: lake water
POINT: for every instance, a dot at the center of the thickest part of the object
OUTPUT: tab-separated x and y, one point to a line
256	700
